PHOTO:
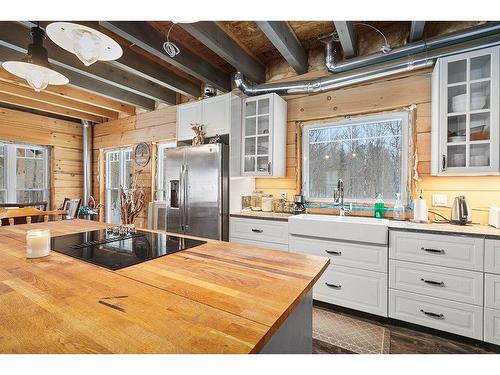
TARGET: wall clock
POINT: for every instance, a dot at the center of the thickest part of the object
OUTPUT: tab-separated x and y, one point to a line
142	154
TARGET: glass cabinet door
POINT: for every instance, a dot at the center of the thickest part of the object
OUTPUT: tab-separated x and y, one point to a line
256	141
469	109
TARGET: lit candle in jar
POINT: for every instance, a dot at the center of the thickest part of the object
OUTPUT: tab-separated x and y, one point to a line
37	243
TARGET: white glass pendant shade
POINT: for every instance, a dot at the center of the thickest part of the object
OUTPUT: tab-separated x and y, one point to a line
87	44
38	79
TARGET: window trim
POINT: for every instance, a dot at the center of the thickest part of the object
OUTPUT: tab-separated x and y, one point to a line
121	151
385	116
161	147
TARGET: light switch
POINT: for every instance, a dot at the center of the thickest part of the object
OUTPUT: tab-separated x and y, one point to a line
439	200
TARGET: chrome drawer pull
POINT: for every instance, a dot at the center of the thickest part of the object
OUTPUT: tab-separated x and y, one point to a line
257	230
432	282
334	286
338	253
432	315
434	251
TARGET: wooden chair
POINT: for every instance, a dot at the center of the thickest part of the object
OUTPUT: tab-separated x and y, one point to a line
72	205
27	213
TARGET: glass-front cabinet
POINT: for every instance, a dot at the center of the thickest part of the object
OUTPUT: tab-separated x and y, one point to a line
465	129
264	136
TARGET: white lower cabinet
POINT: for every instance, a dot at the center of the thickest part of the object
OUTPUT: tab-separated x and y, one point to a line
492	326
492	256
263	244
492	291
455	317
354	288
259	232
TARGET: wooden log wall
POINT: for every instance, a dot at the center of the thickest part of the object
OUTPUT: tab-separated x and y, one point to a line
150	127
65	140
384	95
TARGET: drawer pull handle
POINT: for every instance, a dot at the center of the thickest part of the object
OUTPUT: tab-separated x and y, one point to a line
334	286
434	251
257	230
338	253
432	282
432	315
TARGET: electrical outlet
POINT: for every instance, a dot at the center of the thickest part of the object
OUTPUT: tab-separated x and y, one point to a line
283	195
439	200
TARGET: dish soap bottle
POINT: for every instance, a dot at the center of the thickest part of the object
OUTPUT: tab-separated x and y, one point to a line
399	208
379	207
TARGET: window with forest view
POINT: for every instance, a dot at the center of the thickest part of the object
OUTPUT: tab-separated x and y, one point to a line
368	153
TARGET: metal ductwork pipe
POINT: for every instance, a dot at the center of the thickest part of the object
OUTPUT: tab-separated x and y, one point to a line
87	161
372	72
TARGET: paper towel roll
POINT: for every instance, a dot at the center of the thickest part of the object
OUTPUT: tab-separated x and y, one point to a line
420	210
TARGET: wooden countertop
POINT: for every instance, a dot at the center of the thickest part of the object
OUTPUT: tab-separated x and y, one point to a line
215	298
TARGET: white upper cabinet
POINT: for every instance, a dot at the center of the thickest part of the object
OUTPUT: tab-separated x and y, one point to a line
215	113
264	136
465	115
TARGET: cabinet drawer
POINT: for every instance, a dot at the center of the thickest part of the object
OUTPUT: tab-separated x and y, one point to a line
443	250
455	317
492	256
260	230
450	283
263	244
354	288
492	326
492	291
342	253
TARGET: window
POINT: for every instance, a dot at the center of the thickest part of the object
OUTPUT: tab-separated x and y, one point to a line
161	183
118	174
24	175
369	153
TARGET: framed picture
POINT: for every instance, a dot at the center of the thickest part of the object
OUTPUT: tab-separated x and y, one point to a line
142	154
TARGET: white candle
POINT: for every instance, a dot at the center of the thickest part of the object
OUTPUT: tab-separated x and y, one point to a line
37	243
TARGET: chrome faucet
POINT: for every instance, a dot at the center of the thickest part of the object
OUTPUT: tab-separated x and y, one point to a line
339	198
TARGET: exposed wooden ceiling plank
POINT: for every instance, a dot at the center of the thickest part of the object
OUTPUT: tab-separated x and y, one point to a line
215	38
28	93
34	104
17	36
149	39
283	38
416	31
83	82
347	37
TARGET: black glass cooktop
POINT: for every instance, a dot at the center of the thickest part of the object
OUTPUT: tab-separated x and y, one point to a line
119	251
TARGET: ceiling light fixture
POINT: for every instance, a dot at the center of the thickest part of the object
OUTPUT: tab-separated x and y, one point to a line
35	67
87	44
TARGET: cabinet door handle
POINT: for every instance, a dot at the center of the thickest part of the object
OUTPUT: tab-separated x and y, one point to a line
432	282
269	167
334	286
432	315
257	230
338	253
434	251
444	162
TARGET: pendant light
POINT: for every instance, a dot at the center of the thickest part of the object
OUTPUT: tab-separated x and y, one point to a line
35	67
87	44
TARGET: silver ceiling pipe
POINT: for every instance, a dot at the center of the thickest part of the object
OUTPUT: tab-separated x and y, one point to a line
409	49
366	74
87	160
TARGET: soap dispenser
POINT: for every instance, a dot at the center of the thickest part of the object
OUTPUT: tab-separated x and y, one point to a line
399	208
379	207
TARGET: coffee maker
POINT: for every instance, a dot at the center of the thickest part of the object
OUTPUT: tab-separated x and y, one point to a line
299	205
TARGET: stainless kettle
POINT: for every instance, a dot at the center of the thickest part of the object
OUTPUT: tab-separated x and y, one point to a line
460	211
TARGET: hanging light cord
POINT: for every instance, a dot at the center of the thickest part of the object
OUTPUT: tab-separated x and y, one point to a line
386	47
170	48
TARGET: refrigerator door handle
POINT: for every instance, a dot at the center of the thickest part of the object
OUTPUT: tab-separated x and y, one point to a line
181	197
186	200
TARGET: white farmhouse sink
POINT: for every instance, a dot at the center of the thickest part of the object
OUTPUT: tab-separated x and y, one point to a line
349	228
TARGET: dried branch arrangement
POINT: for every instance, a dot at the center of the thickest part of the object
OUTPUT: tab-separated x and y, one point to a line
132	201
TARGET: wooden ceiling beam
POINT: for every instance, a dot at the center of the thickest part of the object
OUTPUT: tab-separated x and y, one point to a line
10	52
151	40
284	39
416	31
348	38
17	35
217	40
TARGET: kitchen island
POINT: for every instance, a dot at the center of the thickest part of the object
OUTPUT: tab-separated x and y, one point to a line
218	297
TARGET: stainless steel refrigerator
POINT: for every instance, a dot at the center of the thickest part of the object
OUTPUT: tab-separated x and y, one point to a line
198	201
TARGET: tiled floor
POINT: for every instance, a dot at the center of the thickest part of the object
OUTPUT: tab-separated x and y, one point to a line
341	333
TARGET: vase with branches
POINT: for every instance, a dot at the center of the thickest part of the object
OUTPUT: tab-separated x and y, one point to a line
132	201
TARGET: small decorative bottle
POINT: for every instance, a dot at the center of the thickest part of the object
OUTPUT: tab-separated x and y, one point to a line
379	207
399	208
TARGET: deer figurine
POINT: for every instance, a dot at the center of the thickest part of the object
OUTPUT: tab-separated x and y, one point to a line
199	132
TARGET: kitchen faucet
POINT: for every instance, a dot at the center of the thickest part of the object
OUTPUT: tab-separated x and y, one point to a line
339	198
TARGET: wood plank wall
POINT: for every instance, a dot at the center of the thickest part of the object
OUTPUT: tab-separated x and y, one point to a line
379	96
65	139
150	127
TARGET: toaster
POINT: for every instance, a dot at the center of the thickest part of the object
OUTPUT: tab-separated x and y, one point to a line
495	217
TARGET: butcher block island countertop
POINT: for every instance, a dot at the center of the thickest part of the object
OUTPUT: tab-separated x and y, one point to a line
215	298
